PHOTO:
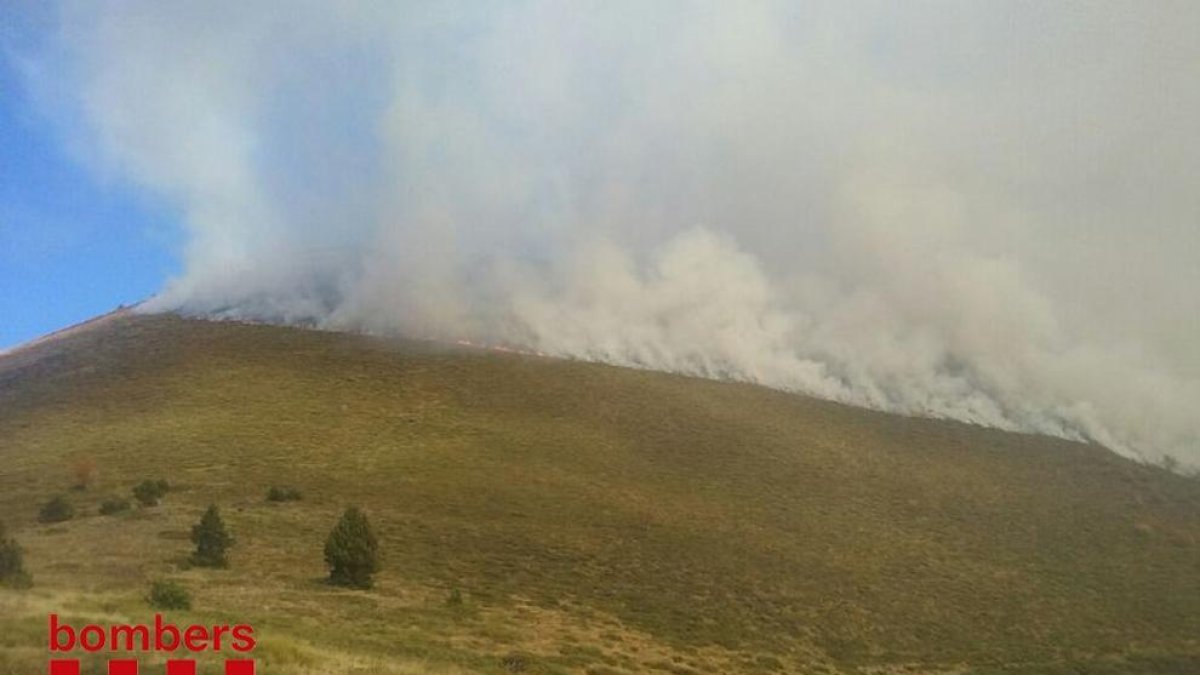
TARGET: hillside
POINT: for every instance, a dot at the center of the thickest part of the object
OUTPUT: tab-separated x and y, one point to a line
593	518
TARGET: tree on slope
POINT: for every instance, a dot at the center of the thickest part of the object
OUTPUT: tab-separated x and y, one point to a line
351	551
211	539
12	563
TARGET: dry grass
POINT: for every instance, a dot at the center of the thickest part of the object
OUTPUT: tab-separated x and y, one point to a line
596	519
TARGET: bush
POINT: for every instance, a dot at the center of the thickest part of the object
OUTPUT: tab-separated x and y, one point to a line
283	494
12	562
149	492
169	595
84	472
56	510
351	551
211	539
515	663
112	506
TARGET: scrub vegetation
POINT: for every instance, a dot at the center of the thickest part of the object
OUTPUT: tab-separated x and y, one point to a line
546	516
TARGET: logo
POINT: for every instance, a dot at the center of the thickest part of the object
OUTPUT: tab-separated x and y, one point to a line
124	639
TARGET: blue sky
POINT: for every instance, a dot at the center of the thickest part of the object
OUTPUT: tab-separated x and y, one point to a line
71	245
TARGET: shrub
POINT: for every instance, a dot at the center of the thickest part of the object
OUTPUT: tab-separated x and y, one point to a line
283	494
56	510
149	492
169	595
84	472
351	551
211	539
515	663
115	505
455	599
12	562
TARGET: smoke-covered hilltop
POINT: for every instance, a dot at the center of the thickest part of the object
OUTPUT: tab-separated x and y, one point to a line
974	210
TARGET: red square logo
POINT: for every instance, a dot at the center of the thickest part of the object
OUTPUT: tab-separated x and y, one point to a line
239	667
122	667
64	667
181	667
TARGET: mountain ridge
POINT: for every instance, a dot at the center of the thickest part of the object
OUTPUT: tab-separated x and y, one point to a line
720	527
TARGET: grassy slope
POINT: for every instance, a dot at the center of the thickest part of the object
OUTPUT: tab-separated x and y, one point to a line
594	517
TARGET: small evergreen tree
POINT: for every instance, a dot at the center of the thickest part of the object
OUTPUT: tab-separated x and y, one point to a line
56	510
12	562
211	539
351	551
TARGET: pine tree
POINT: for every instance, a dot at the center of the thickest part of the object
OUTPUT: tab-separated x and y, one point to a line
211	539
12	564
351	551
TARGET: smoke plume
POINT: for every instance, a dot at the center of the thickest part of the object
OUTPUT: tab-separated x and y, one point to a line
975	210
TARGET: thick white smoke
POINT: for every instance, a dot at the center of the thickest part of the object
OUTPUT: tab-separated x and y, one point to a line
977	210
